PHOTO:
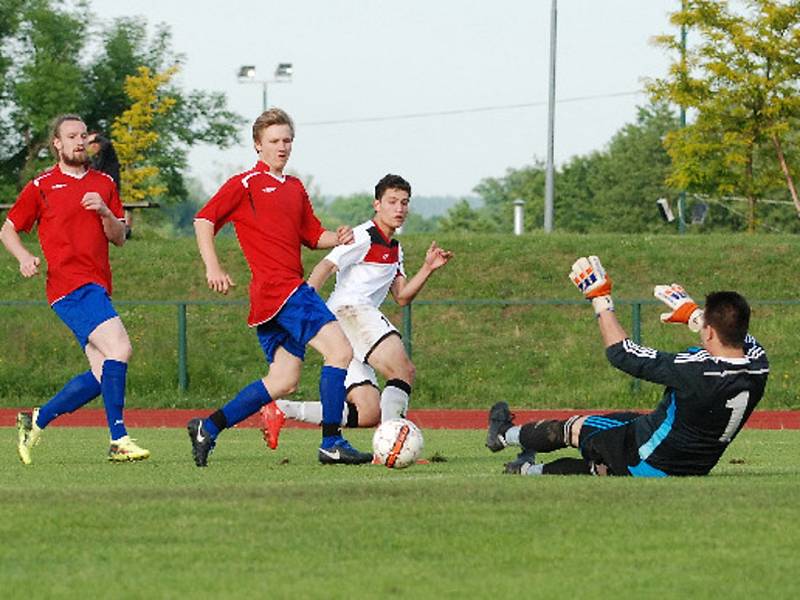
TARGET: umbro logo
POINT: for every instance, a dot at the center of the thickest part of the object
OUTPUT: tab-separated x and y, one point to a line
269	190
386	256
58	186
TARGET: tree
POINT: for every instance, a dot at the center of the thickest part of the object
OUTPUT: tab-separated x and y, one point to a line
741	78
134	134
53	71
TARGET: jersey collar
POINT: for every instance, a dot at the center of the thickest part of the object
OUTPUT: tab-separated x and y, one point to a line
262	166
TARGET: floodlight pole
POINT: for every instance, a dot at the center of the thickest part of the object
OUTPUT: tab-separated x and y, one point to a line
682	194
549	188
283	74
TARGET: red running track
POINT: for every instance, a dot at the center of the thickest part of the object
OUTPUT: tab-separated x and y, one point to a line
426	419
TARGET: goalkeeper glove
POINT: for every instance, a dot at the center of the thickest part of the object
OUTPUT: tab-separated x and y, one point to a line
591	279
684	309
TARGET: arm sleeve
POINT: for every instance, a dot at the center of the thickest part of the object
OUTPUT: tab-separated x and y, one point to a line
310	227
223	204
401	269
642	362
752	349
114	203
26	210
345	255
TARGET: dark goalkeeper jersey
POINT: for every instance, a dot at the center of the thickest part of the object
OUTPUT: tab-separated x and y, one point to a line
706	402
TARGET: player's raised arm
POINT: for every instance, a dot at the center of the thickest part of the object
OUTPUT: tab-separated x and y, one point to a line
404	291
594	283
28	263
218	280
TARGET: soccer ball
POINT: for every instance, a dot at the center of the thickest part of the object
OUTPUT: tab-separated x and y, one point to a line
397	443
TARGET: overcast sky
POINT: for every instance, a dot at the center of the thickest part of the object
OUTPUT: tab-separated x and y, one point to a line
356	60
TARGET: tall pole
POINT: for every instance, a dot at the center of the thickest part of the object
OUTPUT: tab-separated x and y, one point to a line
264	97
551	109
682	195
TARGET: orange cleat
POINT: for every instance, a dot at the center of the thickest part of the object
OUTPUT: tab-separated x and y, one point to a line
272	420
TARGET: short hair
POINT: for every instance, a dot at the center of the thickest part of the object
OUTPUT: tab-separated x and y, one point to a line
391	182
273	116
55	128
729	314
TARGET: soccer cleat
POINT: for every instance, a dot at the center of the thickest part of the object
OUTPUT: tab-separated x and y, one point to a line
125	449
520	465
202	444
342	453
500	419
272	419
29	434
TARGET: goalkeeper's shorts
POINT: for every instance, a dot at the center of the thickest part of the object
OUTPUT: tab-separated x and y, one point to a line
610	440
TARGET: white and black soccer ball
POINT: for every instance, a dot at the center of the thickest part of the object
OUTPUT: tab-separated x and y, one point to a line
397	443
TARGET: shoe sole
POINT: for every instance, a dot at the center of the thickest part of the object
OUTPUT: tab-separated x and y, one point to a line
23	431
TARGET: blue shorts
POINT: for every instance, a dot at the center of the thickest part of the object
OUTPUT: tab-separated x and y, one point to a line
296	324
82	310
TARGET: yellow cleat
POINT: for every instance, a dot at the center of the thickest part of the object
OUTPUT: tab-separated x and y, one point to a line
29	434
125	449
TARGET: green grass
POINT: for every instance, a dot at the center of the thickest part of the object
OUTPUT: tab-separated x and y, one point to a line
534	356
276	524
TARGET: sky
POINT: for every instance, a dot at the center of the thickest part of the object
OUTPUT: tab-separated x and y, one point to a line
443	92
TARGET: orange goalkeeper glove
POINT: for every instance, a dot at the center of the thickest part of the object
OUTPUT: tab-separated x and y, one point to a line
594	283
684	309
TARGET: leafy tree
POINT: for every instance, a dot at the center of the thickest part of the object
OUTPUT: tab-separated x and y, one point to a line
463	218
134	134
346	210
741	78
53	72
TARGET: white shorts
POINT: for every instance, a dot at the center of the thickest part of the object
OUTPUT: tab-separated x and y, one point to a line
365	327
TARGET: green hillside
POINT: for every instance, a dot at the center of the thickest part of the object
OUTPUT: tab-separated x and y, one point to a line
466	355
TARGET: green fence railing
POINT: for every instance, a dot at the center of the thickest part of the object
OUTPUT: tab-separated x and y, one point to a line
406	328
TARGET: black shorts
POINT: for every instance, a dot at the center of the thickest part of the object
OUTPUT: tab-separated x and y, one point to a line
610	440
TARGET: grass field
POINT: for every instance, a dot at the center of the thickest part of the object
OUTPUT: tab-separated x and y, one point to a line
276	524
533	356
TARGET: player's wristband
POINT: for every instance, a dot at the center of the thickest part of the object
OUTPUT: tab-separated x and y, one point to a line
601	304
696	320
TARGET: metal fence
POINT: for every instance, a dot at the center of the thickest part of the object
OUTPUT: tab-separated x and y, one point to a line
406	328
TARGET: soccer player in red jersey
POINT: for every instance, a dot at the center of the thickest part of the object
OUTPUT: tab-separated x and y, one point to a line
78	212
273	218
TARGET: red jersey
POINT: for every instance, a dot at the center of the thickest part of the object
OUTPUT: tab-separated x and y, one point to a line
72	237
272	216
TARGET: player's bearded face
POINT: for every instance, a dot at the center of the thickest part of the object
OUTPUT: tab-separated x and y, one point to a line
275	146
71	144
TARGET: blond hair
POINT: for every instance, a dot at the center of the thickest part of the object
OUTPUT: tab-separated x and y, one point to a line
273	116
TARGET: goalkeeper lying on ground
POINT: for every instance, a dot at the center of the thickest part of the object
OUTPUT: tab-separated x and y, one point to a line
710	392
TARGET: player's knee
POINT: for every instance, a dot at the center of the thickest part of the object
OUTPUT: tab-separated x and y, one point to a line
369	415
121	351
403	370
279	387
339	357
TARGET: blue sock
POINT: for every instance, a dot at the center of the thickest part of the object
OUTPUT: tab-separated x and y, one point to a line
112	385
77	392
246	402
331	394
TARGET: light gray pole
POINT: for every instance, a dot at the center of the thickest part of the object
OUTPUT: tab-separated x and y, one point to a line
549	189
519	219
264	97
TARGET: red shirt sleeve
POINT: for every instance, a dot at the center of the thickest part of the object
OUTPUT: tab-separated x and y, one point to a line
310	227
114	203
223	204
26	210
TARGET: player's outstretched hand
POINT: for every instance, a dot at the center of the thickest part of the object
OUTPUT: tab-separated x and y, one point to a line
683	308
436	257
590	277
344	234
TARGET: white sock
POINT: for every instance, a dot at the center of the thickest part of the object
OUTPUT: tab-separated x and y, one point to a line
512	436
533	470
394	403
307	412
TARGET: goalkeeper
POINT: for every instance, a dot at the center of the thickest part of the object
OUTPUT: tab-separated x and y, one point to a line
710	392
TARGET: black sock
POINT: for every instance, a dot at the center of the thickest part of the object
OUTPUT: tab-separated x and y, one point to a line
218	419
567	466
352	415
543	436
